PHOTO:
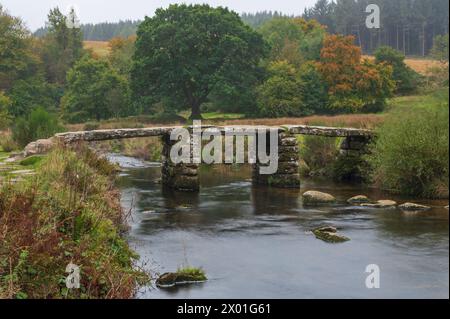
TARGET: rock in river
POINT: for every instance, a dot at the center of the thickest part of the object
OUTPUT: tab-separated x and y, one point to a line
329	234
316	198
385	203
412	207
360	199
172	279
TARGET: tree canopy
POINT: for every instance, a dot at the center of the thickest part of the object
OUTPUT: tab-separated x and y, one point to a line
186	52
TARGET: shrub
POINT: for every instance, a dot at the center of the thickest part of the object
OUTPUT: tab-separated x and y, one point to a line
280	95
314	94
440	48
5	119
39	124
411	153
7	144
350	167
407	79
95	91
319	153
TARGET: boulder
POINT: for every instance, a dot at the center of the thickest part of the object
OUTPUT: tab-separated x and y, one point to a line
317	198
413	207
329	234
384	203
360	199
39	147
172	279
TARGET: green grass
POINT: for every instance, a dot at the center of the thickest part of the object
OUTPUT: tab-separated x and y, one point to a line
32	161
435	98
196	273
215	115
3	155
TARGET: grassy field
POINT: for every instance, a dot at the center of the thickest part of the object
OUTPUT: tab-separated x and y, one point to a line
419	64
100	48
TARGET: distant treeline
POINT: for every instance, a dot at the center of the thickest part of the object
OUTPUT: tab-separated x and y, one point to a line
406	25
103	31
257	19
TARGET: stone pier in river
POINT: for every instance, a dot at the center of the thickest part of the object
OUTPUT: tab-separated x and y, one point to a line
185	176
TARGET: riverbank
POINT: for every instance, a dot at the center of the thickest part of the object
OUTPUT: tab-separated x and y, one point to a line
69	212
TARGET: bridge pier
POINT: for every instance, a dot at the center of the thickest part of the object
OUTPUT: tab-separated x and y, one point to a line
183	177
287	175
355	145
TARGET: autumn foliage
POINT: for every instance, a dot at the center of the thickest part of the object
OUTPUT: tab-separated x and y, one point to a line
353	84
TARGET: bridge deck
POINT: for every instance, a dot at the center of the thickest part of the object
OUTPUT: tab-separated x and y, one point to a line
114	134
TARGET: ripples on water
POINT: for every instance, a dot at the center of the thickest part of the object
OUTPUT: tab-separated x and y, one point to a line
255	242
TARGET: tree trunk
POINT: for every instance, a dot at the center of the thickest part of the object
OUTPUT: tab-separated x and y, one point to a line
196	113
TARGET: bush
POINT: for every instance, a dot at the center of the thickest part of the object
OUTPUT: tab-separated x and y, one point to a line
314	93
319	153
7	144
411	153
38	125
440	48
406	78
279	95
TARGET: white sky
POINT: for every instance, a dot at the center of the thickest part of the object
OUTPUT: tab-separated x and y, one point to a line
34	12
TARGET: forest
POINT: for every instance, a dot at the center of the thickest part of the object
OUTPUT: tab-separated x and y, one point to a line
406	25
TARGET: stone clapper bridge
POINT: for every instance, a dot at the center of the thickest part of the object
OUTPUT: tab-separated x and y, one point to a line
184	176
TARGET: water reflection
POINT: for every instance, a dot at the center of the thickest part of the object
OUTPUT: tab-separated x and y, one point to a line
254	242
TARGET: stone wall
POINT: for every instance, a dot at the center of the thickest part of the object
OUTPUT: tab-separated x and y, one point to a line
287	175
355	145
183	177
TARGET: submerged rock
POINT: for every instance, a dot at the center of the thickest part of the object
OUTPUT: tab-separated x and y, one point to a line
329	234
172	279
384	203
360	199
413	207
316	198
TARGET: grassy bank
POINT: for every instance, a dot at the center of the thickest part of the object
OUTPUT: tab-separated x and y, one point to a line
69	212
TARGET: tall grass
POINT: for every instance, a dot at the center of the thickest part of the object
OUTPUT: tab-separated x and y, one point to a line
411	153
69	212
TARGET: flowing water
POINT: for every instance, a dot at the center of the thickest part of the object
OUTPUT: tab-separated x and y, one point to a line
255	242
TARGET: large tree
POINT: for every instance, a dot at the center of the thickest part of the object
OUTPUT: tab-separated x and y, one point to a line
63	46
16	56
94	91
186	52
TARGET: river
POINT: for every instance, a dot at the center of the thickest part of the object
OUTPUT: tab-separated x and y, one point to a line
255	242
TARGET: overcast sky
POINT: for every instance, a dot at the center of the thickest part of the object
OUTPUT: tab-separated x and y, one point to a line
34	12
